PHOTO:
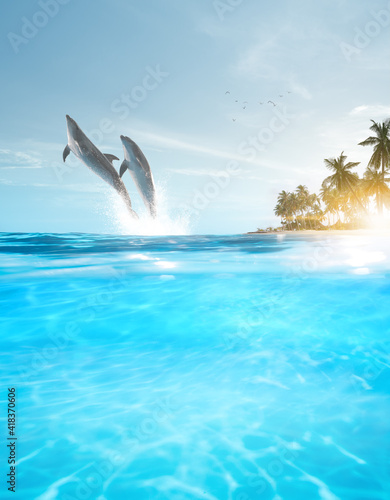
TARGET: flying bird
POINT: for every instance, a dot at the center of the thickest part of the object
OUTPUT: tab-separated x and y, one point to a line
244	107
234	119
261	102
280	95
272	102
227	92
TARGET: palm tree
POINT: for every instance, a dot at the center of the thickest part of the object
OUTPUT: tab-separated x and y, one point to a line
334	204
374	184
381	155
294	208
342	177
280	212
324	197
302	194
283	207
315	213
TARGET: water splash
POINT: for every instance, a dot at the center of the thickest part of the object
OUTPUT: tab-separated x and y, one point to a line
119	221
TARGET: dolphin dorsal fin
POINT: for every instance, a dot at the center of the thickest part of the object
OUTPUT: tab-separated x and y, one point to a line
124	167
111	158
66	152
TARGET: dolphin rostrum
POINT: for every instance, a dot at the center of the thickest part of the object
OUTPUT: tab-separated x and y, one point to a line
140	171
99	163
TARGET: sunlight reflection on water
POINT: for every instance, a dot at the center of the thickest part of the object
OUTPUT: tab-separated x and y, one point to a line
237	368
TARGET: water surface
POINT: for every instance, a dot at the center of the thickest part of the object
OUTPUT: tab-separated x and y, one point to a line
198	367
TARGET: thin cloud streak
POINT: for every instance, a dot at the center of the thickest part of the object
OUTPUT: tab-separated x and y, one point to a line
12	158
371	111
160	141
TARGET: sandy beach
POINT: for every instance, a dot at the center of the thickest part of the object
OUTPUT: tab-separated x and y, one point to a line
343	232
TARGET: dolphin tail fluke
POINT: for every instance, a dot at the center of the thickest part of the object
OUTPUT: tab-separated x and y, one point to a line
134	214
121	189
66	152
123	168
126	199
153	211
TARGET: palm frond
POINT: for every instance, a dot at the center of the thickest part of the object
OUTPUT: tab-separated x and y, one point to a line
370	141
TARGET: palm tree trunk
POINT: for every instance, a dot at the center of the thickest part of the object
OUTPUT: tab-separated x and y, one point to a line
380	199
357	199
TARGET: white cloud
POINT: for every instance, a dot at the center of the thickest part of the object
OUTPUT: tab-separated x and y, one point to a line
6	182
266	61
161	141
299	89
373	111
18	159
244	174
191	172
254	63
345	132
156	140
83	188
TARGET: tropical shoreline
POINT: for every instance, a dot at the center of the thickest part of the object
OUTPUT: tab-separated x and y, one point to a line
345	200
361	232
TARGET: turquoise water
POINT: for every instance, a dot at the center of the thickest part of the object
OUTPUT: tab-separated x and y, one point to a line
202	367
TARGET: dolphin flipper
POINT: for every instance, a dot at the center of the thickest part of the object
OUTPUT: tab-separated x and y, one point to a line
124	167
95	160
111	158
66	152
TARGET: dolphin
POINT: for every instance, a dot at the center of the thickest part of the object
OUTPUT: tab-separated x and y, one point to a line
140	171
98	162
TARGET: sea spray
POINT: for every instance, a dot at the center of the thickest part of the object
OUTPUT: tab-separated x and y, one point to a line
118	220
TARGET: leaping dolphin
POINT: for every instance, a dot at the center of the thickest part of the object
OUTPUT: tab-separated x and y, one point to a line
98	162
140	171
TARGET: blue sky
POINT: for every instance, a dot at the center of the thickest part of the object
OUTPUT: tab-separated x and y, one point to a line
328	59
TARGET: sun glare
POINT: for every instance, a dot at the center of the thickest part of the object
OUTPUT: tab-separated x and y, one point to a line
379	222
